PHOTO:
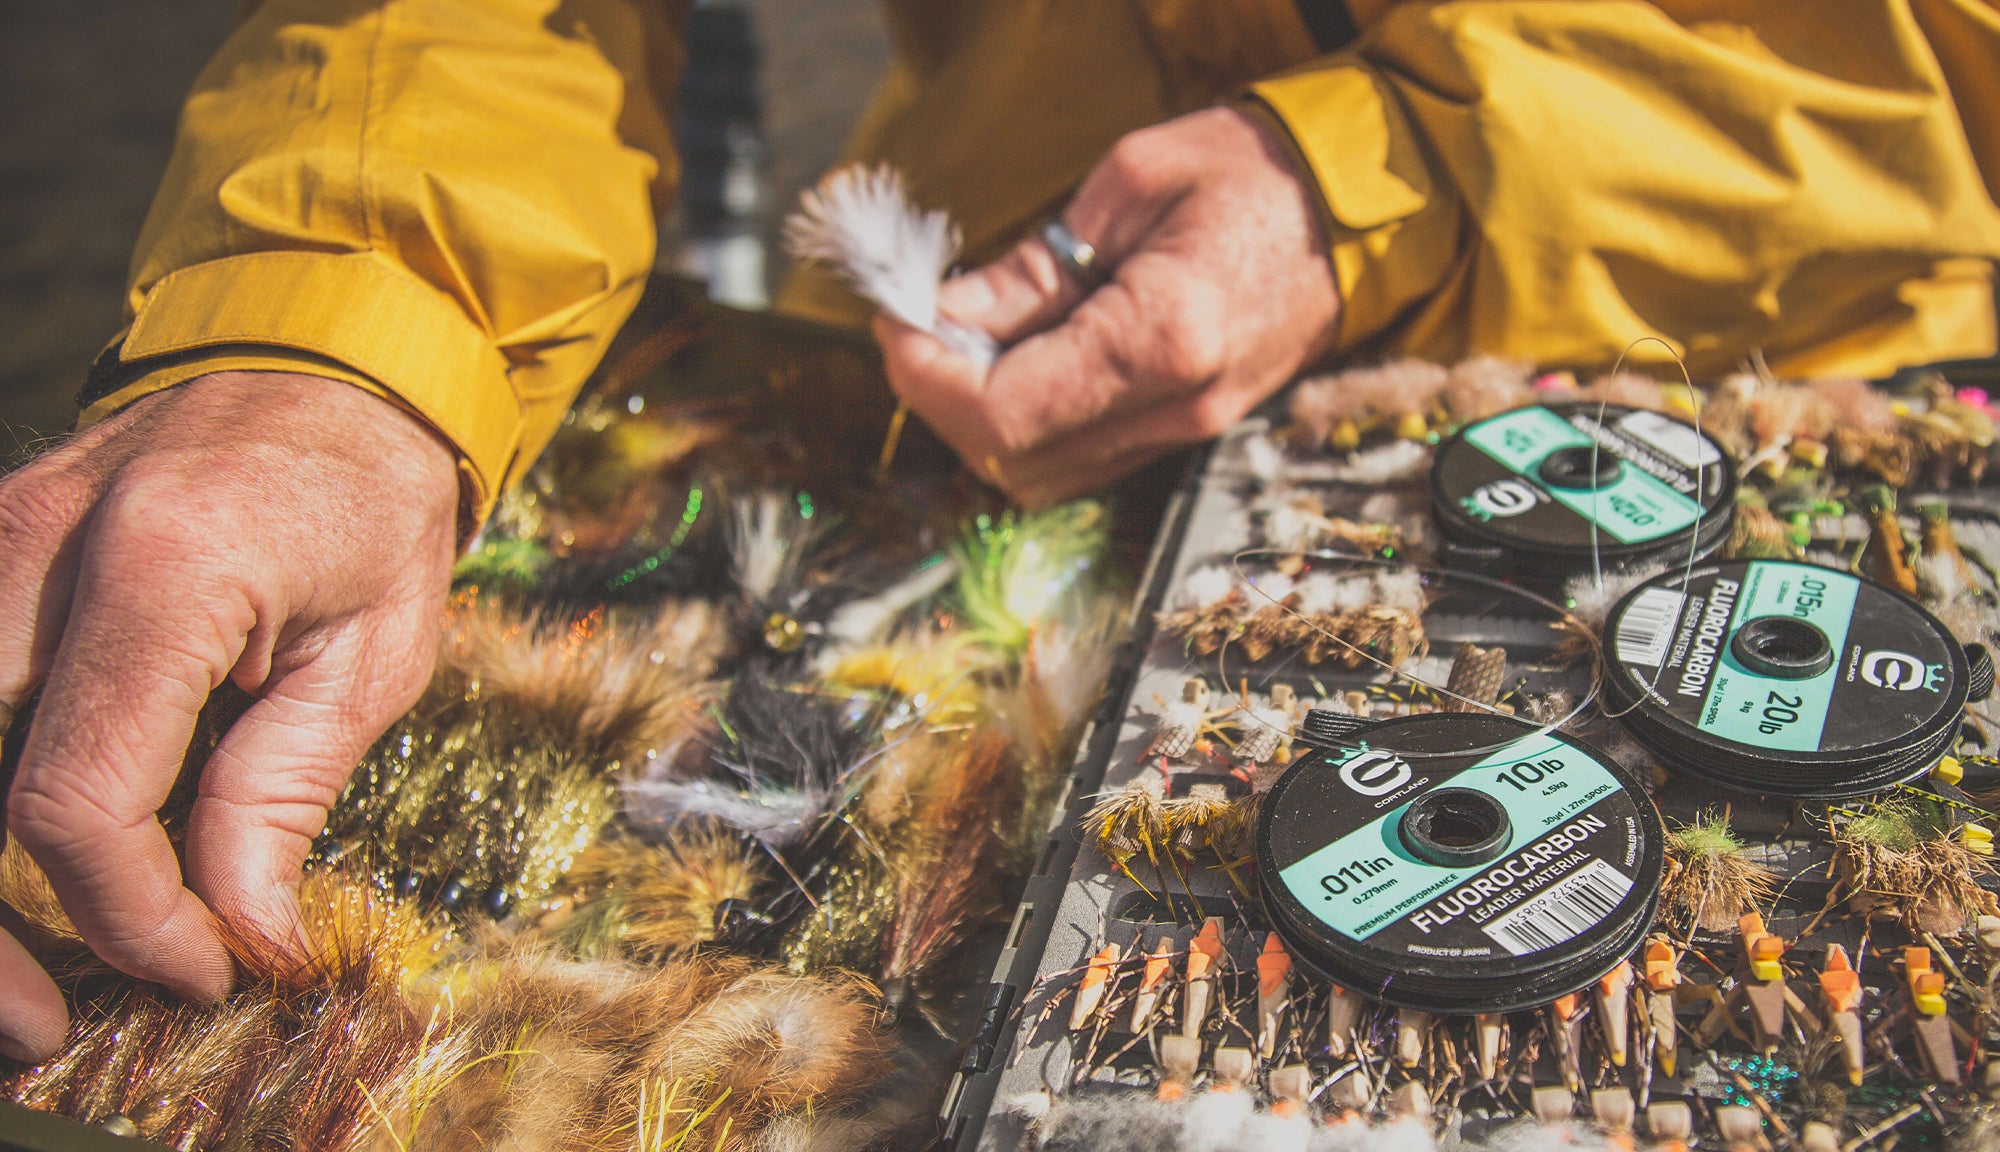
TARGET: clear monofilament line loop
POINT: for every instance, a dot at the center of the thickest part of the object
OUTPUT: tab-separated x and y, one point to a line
1700	482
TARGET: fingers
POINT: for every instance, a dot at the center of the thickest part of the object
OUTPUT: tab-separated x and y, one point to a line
1017	295
210	537
32	1019
1133	343
265	791
1115	443
1101	453
143	646
944	388
1222	290
263	796
1076	355
1027	291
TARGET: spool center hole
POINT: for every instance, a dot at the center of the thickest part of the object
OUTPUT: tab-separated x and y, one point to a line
1788	645
1580	466
1784	647
1462	828
1455	827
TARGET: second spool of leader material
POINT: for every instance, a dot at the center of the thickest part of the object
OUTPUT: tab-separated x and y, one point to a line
1784	679
1548	492
1459	862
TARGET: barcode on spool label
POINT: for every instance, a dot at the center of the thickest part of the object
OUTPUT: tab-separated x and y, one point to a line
1670	436
1578	903
1647	627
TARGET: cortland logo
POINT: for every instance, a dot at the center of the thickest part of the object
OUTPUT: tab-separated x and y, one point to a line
1501	498
1900	671
1375	773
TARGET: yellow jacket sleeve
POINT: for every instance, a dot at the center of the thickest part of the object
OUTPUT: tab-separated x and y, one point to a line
1551	179
447	202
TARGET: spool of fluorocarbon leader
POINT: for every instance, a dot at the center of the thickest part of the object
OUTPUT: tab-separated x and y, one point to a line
1548	492
1786	679
1458	862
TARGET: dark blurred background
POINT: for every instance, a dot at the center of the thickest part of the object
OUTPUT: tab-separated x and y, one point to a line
90	89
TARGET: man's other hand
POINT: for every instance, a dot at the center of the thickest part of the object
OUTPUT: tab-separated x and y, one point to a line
290	533
1222	290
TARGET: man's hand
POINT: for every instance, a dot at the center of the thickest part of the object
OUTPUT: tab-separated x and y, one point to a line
1223	290
290	533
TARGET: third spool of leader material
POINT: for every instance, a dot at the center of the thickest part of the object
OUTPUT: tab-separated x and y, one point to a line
1787	679
1546	492
1458	862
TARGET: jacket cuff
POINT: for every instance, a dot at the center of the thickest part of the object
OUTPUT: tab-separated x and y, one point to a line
353	317
1376	186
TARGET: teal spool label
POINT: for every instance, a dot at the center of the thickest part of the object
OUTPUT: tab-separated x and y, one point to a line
1638	506
1575	846
1887	674
1579	483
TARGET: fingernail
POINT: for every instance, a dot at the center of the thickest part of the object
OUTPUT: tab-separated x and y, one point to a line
966	297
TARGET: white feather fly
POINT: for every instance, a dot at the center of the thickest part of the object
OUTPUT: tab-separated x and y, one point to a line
860	221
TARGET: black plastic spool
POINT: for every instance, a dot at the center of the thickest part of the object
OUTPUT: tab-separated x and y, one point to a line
1446	985
1518	549
1892	751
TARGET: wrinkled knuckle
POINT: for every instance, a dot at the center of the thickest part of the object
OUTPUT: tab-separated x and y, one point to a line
46	817
1191	347
140	942
34	507
320	789
1133	160
156	506
285	799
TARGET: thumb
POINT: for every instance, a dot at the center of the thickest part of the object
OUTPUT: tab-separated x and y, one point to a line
266	790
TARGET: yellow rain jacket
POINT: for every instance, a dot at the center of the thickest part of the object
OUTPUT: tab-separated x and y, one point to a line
451	202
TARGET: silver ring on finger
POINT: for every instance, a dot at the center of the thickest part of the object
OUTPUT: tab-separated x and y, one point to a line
1076	256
